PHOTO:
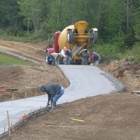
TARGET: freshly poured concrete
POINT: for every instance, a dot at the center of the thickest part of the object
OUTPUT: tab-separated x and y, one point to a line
85	81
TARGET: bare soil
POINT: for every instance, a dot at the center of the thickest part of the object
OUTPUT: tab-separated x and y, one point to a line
108	117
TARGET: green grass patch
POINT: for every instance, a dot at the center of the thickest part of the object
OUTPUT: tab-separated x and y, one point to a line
7	60
21	36
110	52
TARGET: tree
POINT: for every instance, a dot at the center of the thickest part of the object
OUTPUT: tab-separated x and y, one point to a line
9	15
113	19
135	18
31	10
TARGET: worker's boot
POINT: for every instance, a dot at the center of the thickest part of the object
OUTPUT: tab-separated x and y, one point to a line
53	105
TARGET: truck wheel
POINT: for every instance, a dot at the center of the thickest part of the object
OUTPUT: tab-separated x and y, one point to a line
46	58
95	35
70	36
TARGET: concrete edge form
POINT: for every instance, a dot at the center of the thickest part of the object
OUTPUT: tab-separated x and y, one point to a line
22	122
118	84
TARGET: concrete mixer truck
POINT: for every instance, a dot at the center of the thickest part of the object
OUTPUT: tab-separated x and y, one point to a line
74	37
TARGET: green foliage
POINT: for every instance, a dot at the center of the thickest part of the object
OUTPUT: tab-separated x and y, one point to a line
134	54
31	10
118	41
6	60
111	52
47	16
121	55
9	17
137	59
118	29
108	52
21	36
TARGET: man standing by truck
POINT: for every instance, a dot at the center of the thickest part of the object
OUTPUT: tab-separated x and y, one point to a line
68	54
54	57
84	53
63	56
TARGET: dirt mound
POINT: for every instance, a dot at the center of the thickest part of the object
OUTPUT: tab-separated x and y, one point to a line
27	79
127	72
7	74
112	116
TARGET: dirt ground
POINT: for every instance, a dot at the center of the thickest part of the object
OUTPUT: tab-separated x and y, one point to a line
108	117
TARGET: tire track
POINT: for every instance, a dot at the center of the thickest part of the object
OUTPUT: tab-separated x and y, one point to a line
22	51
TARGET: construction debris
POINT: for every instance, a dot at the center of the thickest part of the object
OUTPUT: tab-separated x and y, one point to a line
138	92
77	120
7	90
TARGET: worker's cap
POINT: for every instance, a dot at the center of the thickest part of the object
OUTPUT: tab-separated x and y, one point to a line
41	87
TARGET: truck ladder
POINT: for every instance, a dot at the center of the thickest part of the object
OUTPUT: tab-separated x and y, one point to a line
77	49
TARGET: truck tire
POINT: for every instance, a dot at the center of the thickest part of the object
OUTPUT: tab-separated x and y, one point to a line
95	36
46	57
70	36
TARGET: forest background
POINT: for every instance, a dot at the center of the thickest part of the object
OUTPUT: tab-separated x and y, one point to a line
118	23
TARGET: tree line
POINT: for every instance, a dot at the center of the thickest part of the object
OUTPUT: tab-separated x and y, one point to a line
118	21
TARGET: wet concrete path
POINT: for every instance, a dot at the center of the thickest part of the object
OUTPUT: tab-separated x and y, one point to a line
85	81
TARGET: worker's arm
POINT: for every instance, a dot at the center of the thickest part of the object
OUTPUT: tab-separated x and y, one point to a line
63	53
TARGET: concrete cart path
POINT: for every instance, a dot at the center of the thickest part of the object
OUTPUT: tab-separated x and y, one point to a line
85	81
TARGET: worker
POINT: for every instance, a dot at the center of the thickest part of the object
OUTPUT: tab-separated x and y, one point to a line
84	53
48	46
63	56
48	59
54	57
49	50
63	51
95	58
68	54
54	92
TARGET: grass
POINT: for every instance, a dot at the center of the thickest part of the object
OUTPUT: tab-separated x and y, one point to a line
21	36
7	60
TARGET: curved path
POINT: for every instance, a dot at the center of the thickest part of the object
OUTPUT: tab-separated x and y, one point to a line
85	81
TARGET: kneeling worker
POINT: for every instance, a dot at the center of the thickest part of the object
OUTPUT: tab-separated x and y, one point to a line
95	57
54	57
84	53
54	91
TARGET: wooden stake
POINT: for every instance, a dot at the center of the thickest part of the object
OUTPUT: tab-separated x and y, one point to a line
25	94
12	97
8	120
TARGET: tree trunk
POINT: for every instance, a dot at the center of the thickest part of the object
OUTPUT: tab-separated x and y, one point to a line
98	16
34	23
127	16
28	24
